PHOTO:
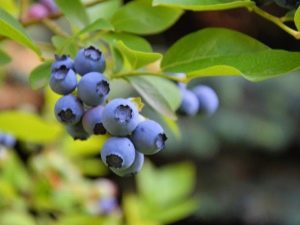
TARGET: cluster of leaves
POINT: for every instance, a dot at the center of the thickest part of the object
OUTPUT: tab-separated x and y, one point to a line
49	189
118	28
119	31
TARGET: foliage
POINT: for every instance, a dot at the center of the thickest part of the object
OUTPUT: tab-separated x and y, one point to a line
51	187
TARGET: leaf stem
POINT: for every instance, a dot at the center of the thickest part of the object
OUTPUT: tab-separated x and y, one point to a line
146	73
275	20
54	27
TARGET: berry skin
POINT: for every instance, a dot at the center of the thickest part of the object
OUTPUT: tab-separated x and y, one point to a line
149	137
134	168
77	131
207	97
92	121
37	11
120	117
89	60
63	60
68	110
7	140
189	103
118	153
63	80
93	89
107	205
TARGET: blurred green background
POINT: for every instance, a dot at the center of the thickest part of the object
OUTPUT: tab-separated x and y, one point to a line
239	166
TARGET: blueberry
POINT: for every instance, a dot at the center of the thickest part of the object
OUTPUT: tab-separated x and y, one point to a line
92	121
37	11
62	60
149	137
63	80
89	60
68	110
77	131
118	153
134	168
107	205
7	140
189	103
120	117
207	97
93	89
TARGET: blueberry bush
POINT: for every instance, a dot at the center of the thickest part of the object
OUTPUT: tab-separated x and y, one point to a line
55	162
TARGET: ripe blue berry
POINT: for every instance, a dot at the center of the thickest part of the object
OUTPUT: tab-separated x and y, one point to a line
134	168
63	80
107	205
189	103
120	117
93	89
62	60
68	110
92	121
207	97
7	140
149	137
77	131
89	60
118	153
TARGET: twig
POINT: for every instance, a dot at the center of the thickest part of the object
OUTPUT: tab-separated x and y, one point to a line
275	20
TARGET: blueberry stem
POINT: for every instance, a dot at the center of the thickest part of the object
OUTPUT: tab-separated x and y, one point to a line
138	73
277	21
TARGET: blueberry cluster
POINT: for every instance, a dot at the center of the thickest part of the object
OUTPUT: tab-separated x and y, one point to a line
201	99
131	135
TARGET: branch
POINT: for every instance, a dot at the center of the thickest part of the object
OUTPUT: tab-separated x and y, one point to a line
275	20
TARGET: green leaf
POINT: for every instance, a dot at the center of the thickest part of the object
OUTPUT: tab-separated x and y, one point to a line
99	24
173	126
79	149
141	18
197	5
105	10
11	217
218	51
12	29
29	127
297	18
91	167
136	59
161	94
4	58
175	212
39	77
154	184
138	103
65	45
74	11
130	40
